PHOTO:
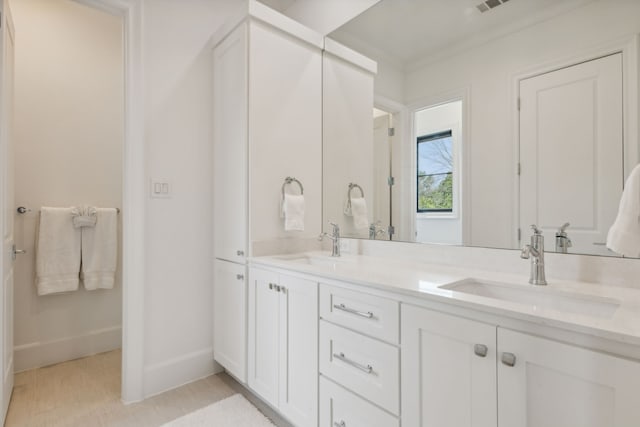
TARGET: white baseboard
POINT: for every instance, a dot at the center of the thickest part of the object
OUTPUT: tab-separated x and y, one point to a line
173	373
38	354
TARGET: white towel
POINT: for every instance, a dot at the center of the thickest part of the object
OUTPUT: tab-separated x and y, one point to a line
100	250
84	216
293	211
624	234
359	213
57	252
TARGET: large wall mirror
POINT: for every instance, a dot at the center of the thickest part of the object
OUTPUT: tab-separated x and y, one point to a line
488	117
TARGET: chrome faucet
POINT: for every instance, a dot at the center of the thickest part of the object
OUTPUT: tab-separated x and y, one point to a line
563	242
376	229
536	251
335	238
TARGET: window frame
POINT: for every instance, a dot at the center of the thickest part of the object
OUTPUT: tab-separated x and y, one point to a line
423	139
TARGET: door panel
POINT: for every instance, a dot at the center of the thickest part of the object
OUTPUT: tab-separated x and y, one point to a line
299	351
571	152
264	353
558	385
444	382
229	326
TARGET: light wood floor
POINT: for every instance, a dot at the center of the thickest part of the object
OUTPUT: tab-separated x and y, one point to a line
86	392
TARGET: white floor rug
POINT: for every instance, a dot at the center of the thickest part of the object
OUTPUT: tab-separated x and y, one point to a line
234	411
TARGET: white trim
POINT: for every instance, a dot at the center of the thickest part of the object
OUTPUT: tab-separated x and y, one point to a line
347	54
175	372
629	46
133	197
37	354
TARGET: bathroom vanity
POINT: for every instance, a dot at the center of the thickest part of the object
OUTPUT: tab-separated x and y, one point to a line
416	344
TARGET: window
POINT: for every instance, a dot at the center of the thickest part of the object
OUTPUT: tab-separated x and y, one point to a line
435	172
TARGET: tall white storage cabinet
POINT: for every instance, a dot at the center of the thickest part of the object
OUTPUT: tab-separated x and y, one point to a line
267	126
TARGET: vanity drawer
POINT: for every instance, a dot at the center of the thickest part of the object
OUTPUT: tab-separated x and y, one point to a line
371	315
363	365
339	407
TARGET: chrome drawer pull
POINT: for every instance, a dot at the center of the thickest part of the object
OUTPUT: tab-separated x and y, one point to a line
240	253
343	307
339	424
368	368
240	276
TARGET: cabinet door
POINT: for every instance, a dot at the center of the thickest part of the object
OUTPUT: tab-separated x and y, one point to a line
558	385
264	334
444	382
229	318
230	146
299	351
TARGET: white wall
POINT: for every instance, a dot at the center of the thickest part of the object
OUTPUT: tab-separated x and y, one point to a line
178	104
324	16
488	71
68	130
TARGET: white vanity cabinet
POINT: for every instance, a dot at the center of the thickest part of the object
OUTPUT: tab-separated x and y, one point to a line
267	126
283	344
457	371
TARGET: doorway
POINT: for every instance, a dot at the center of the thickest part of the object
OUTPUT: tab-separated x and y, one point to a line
68	142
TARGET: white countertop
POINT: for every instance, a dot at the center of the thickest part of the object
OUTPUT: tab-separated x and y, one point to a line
424	280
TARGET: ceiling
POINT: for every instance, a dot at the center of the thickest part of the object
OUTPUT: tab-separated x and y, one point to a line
406	31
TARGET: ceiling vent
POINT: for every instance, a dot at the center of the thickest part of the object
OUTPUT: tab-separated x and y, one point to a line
487	5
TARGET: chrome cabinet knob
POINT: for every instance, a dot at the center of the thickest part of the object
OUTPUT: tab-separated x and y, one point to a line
339	424
240	253
508	359
480	350
271	286
240	276
277	288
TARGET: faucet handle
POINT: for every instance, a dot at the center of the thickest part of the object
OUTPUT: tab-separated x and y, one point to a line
564	227
336	227
535	229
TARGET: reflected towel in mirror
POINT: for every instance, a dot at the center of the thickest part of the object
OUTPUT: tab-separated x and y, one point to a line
624	234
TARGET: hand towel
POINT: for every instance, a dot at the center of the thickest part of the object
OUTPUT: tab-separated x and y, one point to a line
624	234
359	212
293	210
57	252
84	216
100	250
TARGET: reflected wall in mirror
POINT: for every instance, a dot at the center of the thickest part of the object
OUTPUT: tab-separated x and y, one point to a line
524	113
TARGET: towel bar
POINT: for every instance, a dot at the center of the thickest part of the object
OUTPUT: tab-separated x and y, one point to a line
22	210
347	209
289	180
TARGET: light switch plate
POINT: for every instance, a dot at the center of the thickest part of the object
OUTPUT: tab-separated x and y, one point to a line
160	189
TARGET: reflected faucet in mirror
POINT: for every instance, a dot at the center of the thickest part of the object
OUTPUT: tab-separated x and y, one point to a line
535	251
563	242
335	239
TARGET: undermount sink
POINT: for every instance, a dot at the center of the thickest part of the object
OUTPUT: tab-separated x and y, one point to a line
538	297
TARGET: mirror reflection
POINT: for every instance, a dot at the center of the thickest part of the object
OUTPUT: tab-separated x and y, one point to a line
489	117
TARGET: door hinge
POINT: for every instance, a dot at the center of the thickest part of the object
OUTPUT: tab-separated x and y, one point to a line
519	103
519	168
391	181
392	131
519	234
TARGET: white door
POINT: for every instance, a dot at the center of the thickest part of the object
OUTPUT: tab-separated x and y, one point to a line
557	385
230	146
229	323
571	152
7	206
299	351
263	333
448	371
